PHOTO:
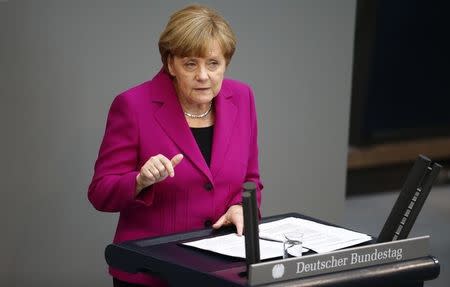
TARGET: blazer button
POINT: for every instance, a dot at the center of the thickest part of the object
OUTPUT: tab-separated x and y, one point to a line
208	186
207	223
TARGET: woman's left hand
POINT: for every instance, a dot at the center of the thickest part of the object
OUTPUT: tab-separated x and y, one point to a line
234	215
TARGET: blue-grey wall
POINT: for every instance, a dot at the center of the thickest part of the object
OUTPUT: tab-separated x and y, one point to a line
62	63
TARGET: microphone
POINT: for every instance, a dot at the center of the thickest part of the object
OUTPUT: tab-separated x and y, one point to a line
251	230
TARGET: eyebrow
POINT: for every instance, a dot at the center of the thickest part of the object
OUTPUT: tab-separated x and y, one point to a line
187	58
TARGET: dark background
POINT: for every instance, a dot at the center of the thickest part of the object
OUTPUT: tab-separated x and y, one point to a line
401	83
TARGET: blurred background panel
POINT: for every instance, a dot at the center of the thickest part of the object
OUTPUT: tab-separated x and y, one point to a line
400	91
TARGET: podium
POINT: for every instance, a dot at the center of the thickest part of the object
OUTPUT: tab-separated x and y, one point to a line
178	264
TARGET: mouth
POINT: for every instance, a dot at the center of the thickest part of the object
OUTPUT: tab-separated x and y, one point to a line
202	90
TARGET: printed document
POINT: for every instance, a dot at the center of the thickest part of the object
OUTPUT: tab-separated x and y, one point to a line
317	237
234	245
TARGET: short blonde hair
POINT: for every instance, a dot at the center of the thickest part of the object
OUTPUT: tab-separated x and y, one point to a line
190	32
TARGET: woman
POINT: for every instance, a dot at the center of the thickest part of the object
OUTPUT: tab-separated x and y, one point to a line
177	149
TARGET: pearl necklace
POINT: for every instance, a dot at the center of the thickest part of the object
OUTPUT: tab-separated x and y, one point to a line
200	115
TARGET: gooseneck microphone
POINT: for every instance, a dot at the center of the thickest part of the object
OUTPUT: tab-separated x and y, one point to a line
251	230
410	200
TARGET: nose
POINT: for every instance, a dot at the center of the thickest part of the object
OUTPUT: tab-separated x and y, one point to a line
202	73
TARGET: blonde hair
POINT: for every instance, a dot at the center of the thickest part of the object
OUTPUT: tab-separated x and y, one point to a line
190	32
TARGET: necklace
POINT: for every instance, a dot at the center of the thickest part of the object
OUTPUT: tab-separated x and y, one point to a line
200	115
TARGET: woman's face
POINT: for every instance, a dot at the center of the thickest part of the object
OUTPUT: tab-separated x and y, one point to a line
198	79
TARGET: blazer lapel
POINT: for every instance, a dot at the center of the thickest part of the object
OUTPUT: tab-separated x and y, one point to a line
225	111
171	118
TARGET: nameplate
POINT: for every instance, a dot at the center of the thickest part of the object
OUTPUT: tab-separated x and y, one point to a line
346	259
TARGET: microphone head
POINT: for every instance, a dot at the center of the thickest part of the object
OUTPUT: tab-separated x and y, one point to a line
249	185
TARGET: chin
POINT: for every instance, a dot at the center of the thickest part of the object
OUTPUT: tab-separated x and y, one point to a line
204	98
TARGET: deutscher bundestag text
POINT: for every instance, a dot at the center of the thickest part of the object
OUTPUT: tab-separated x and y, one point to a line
354	258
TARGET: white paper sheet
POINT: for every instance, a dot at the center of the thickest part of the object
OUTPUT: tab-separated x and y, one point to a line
318	237
234	245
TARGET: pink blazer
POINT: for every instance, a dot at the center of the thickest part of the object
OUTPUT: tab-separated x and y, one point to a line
148	120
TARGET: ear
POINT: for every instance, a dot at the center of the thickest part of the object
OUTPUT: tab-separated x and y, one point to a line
170	65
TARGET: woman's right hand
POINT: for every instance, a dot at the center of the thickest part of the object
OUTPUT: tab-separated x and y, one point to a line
156	169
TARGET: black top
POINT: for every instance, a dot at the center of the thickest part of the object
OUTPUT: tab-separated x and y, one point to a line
204	137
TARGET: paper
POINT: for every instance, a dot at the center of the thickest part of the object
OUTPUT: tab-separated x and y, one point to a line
318	237
234	245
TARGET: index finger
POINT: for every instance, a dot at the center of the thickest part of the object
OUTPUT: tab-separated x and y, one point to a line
168	165
239	228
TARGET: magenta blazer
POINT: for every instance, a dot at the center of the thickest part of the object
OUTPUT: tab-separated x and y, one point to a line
148	120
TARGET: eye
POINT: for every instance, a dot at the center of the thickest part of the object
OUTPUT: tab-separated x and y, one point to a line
190	66
212	65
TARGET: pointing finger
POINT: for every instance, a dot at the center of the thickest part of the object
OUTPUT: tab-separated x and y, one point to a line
168	166
239	227
160	166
